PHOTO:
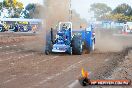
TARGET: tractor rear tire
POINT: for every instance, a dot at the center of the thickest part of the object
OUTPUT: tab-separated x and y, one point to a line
77	46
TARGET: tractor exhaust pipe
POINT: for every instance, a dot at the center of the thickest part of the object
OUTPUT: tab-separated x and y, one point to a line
52	39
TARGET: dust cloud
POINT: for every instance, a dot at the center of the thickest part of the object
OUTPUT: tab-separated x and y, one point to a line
107	42
38	38
59	10
55	11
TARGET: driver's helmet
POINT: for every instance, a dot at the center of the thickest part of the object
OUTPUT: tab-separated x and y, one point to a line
64	26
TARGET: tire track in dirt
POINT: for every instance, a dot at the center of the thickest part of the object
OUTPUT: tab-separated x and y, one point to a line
44	72
17	67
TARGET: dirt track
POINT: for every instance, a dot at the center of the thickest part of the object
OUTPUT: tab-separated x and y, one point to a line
24	65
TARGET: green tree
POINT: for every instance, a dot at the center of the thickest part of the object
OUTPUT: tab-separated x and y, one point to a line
14	7
0	5
25	14
12	4
123	9
116	17
28	9
33	11
100	9
37	11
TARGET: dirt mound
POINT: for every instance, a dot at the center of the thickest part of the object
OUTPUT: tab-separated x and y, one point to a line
117	67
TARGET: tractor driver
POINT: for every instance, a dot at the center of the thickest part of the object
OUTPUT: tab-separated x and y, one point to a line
66	33
64	27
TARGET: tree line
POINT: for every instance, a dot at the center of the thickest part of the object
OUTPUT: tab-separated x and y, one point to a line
102	12
16	9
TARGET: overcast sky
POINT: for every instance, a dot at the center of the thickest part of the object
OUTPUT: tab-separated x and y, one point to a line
82	6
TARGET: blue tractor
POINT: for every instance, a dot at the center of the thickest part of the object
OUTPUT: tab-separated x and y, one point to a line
69	41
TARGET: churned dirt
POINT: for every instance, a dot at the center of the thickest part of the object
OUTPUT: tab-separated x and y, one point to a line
23	64
10	38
